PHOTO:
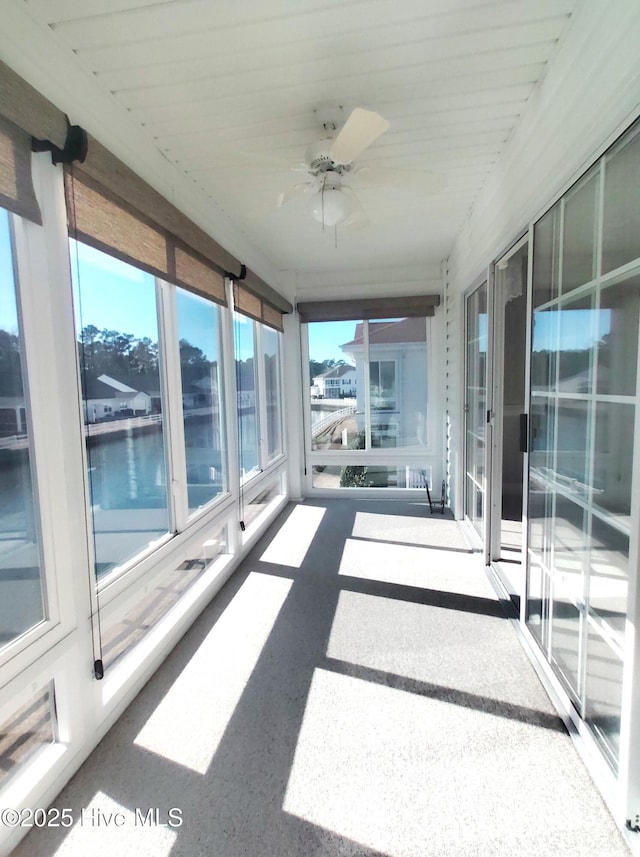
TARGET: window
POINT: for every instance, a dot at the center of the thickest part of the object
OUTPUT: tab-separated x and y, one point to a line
202	398
382	399
259	389
334	425
384	364
370	428
22	597
412	475
246	390
272	391
398	382
124	632
117	323
31	729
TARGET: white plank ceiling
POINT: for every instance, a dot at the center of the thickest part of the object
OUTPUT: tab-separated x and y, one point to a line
227	90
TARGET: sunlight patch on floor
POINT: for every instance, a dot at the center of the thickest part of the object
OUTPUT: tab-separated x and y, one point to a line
293	540
214	679
405	774
430	531
350	773
104	828
414	566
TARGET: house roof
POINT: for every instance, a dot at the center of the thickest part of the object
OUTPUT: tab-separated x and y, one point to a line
390	332
116	385
335	371
106	387
96	389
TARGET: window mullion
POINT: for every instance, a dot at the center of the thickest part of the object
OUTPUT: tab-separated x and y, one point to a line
367	385
230	404
261	398
173	420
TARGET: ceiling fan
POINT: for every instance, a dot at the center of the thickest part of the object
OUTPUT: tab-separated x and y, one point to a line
332	169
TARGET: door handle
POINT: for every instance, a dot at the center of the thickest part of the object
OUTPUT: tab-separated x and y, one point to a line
524	432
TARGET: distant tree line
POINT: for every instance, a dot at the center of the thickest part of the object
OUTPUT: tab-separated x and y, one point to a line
119	355
317	368
10	374
125	357
574	362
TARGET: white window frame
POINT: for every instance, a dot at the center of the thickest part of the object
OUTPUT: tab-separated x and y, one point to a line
428	458
38	314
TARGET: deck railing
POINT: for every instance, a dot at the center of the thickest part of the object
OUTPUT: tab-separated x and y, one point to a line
332	418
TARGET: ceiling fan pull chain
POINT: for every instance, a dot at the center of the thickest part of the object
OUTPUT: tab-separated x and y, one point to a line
324	182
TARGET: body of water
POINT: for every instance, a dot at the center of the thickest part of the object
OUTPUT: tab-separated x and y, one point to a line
128	486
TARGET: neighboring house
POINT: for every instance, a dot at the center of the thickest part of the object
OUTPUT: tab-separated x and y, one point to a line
397	363
108	398
339	382
246	399
202	393
13	419
148	385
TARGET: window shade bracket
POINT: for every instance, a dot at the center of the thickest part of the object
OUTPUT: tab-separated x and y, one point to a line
75	146
241	276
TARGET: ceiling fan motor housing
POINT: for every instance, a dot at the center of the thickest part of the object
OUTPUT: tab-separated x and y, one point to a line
319	160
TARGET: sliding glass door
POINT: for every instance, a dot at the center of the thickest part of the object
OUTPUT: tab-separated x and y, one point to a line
583	446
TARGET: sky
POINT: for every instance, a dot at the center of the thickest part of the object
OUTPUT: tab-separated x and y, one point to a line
198	323
577	328
117	296
111	294
8	313
326	337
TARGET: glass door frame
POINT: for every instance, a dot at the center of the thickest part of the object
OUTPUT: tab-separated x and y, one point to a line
496	401
481	539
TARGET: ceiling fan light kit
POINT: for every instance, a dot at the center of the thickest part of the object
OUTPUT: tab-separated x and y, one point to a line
330	206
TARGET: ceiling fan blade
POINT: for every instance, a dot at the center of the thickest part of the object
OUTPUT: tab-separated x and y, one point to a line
292	193
295	192
420	180
362	128
358	217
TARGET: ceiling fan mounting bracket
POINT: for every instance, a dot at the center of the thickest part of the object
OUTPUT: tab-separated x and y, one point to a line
330	117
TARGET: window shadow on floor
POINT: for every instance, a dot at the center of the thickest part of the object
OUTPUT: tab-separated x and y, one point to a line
236	805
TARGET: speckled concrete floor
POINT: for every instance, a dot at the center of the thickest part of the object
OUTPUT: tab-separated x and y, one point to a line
355	689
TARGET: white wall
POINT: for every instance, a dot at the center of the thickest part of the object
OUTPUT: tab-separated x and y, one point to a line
367	283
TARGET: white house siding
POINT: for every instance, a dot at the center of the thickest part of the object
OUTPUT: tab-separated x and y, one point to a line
409	359
97	409
328	388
